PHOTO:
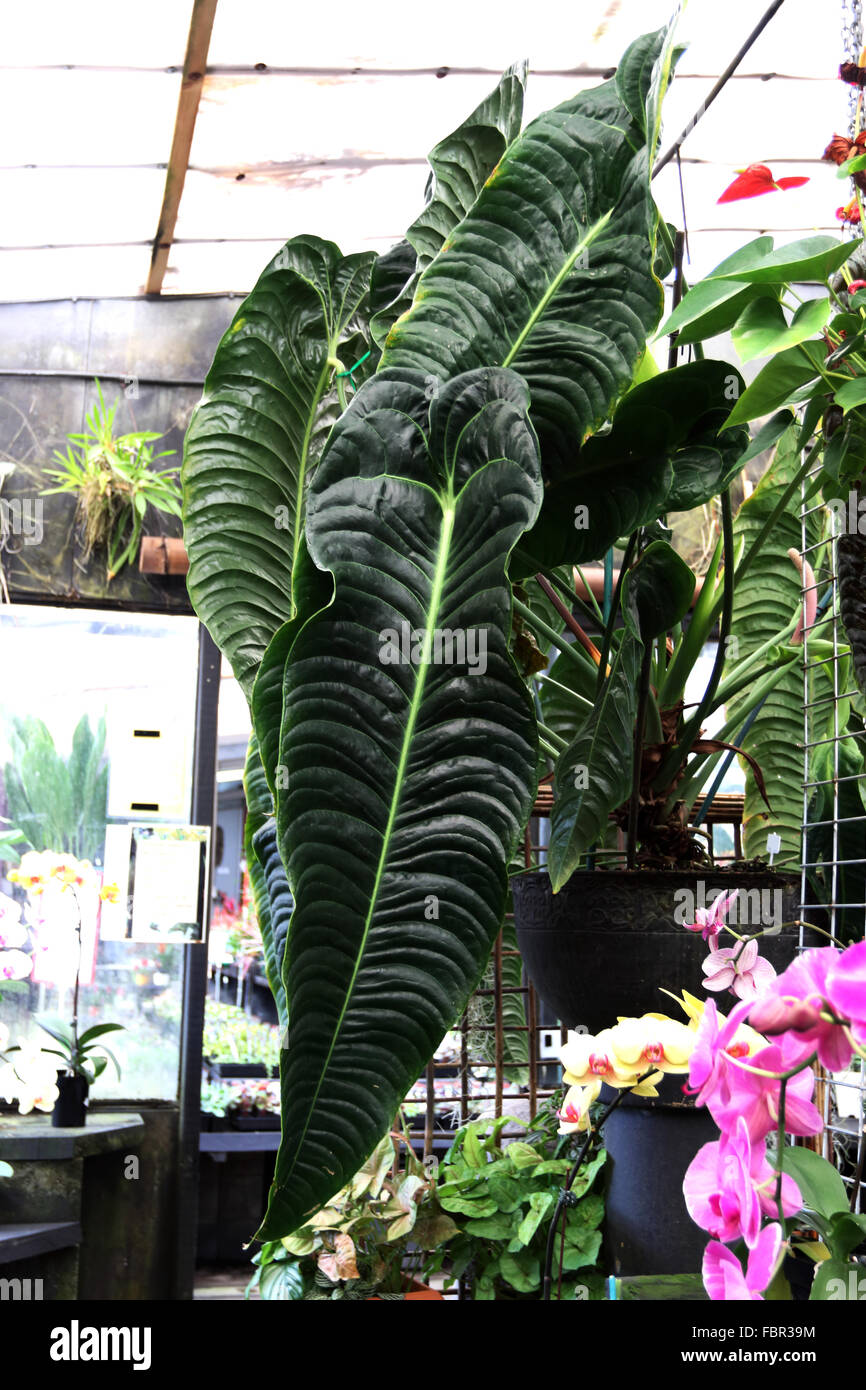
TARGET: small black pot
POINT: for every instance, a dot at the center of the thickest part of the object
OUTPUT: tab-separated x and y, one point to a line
70	1107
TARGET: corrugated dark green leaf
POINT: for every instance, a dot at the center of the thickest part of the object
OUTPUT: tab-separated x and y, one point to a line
410	780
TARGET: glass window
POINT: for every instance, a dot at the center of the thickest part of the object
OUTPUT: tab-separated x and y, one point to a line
97	715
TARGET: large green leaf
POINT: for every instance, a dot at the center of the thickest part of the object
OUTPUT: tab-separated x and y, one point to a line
594	774
764	604
551	272
412	771
270	398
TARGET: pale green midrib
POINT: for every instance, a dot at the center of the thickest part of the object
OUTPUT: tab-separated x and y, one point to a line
445	538
554	285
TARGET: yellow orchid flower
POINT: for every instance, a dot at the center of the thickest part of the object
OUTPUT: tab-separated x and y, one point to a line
653	1040
574	1114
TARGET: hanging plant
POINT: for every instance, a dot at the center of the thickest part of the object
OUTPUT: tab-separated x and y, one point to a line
115	482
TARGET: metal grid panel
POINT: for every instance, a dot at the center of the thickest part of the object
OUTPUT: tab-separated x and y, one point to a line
830	829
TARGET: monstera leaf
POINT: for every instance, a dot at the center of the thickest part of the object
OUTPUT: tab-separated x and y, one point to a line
270	398
551	271
459	166
594	774
271	894
410	740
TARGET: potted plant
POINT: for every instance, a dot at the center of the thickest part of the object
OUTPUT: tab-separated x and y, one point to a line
357	1248
363	590
53	883
114	481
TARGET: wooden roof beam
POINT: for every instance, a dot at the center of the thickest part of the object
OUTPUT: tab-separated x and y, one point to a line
194	67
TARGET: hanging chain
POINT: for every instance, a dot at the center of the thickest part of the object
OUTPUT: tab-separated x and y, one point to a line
852	45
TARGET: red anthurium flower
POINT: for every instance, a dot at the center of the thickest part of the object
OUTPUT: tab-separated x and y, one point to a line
850	213
755	180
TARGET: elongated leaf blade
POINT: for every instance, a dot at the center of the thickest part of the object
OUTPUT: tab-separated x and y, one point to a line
411	779
270	399
551	273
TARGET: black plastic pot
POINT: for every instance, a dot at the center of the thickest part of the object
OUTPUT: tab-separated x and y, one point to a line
256	1120
603	947
70	1110
606	943
238	1071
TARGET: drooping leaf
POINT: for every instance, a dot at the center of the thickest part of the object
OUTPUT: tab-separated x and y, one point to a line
713	305
412	761
551	272
270	398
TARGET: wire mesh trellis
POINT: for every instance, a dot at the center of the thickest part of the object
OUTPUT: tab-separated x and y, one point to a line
833	874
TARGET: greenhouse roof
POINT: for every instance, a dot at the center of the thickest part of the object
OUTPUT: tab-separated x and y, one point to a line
120	178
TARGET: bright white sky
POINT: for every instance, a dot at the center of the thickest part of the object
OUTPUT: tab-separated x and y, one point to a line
340	153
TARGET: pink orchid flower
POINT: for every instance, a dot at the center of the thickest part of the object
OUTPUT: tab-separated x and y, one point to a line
794	1002
718	1188
723	1274
755	1098
719	1042
739	968
846	989
709	921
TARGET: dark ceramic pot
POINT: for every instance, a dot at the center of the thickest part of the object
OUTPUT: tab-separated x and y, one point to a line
70	1110
601	948
606	943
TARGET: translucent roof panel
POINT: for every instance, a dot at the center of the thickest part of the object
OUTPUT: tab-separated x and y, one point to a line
101	33
320	120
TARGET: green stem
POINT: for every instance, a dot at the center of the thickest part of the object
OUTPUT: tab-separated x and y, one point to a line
691	732
543	629
614	609
751	554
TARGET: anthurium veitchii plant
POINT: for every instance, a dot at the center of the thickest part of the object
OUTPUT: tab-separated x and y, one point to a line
383	449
